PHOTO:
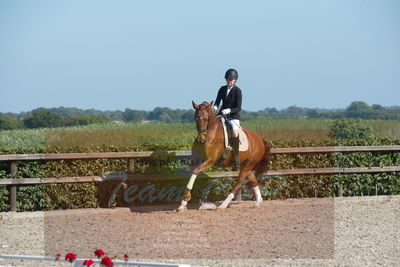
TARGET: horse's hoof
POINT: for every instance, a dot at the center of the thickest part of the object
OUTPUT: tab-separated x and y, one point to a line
181	208
221	207
207	206
257	205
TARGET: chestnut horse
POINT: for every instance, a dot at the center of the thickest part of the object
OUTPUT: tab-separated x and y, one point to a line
210	139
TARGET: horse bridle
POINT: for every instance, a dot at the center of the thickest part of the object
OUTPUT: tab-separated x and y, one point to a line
205	131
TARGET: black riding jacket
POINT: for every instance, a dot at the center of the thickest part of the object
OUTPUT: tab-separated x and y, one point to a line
232	101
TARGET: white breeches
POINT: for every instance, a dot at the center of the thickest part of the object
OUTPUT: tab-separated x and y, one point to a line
235	126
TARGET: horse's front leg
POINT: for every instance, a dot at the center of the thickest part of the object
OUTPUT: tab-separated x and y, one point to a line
186	194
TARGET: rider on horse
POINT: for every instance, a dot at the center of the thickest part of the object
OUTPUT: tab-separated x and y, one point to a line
210	137
231	97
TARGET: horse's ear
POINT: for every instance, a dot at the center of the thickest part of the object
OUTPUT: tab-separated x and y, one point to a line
195	106
212	103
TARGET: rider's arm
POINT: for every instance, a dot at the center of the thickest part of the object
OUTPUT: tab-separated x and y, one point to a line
219	98
237	105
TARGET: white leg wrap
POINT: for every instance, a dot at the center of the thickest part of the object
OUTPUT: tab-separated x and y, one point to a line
257	194
226	201
182	207
191	181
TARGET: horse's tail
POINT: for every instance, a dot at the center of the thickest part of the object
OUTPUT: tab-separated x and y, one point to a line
263	164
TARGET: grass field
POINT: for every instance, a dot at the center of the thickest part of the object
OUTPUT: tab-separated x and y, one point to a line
182	133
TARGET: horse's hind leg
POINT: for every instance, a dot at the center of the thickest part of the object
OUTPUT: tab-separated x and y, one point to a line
253	184
262	166
236	189
258	174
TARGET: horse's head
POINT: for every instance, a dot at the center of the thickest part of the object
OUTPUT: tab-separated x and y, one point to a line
202	117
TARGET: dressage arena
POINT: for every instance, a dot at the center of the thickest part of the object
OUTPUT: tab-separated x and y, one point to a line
353	231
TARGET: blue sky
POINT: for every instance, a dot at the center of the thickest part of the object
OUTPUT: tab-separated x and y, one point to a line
113	55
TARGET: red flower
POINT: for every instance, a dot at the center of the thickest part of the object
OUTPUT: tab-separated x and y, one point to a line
126	257
57	257
70	257
88	262
99	253
107	262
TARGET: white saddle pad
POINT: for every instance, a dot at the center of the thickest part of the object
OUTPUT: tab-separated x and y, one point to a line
243	141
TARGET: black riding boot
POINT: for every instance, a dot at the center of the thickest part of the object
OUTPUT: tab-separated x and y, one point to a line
235	150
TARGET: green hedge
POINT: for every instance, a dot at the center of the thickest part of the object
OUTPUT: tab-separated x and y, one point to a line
85	195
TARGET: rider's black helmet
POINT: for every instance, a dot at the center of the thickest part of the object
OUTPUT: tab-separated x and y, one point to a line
231	74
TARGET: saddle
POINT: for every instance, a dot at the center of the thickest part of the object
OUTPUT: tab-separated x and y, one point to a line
243	142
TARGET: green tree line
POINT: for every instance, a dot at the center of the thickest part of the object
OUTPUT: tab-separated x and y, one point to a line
63	116
44	118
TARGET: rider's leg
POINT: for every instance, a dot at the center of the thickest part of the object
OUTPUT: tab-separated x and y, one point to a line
235	127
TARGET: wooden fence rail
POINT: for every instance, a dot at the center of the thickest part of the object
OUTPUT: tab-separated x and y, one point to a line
131	156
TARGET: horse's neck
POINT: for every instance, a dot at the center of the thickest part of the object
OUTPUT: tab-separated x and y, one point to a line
214	121
215	128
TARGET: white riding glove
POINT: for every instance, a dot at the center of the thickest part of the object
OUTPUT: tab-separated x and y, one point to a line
226	111
215	108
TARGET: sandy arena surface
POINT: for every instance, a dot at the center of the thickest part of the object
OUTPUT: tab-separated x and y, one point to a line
356	231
